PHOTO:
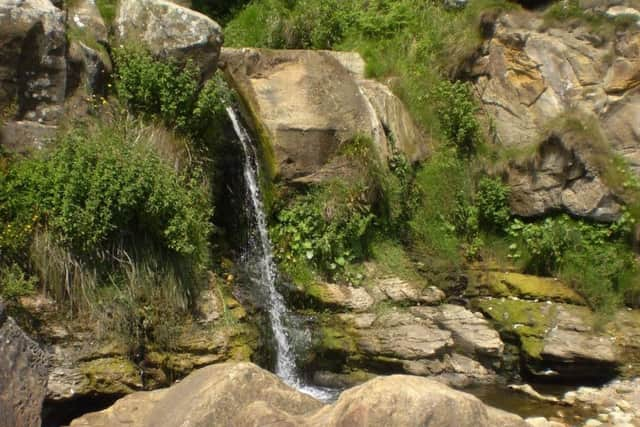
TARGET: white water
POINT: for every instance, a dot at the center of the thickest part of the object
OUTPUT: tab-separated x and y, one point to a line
263	270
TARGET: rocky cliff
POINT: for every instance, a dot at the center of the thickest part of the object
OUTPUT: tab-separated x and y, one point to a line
23	375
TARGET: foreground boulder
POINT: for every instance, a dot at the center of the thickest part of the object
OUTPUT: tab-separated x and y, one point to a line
244	395
23	375
305	105
170	31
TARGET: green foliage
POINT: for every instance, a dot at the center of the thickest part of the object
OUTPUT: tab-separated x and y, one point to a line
14	283
593	257
107	9
103	189
442	195
456	111
326	228
492	200
170	93
156	89
220	10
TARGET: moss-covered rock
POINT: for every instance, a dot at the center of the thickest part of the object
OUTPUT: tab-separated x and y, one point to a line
524	286
557	341
111	376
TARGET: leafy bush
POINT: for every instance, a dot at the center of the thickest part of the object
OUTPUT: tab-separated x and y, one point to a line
594	258
456	111
156	89
326	227
492	200
104	191
14	283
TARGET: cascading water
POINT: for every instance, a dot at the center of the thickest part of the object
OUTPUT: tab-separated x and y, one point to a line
262	268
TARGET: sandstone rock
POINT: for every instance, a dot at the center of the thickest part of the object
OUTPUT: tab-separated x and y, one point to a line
528	78
170	31
560	179
305	105
23	375
245	395
398	290
471	333
403	336
339	297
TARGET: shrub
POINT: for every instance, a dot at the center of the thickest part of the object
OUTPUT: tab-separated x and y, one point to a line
326	227
14	283
441	191
156	89
104	192
456	111
492	200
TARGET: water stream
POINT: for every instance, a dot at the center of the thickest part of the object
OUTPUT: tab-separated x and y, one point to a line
263	271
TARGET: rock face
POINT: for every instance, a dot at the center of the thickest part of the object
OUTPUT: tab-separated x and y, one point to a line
305	105
448	342
32	54
533	80
32	71
85	362
245	395
53	61
23	375
170	31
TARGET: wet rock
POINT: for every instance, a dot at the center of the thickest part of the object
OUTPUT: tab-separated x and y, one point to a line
245	395
23	375
87	361
170	31
305	105
616	403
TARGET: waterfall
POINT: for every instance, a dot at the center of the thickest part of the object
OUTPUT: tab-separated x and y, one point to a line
262	268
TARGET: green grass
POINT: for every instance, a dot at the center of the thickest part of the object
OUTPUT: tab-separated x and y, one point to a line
108	10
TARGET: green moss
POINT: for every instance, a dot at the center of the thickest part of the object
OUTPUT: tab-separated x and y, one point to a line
114	376
528	321
526	286
336	339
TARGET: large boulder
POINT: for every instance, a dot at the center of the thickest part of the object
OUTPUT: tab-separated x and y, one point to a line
561	342
23	375
170	31
245	395
305	105
578	87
